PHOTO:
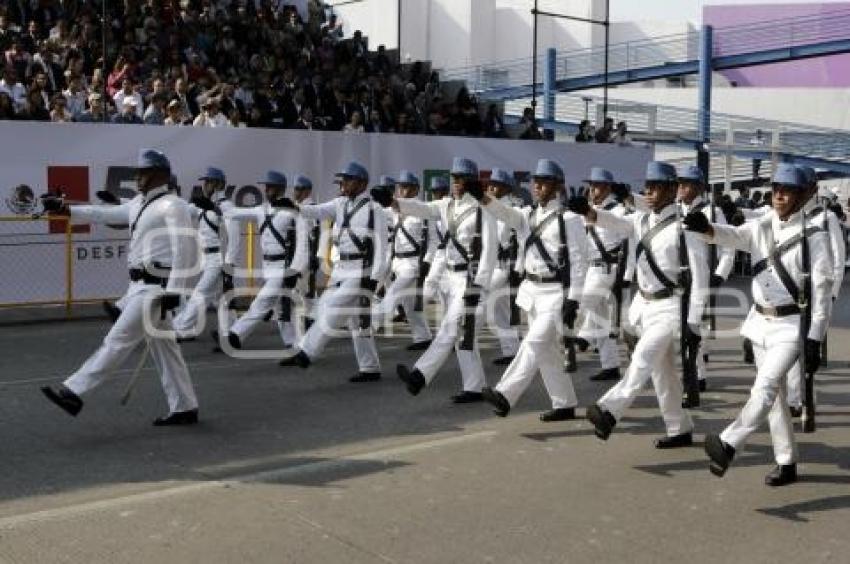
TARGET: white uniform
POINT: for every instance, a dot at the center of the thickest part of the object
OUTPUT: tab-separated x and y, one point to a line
775	338
541	295
819	216
283	240
413	238
215	234
725	260
462	213
314	260
597	300
340	302
499	304
436	283
657	318
160	237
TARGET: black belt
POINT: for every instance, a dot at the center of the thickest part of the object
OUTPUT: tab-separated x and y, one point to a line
457	267
211	250
602	262
659	295
778	311
408	254
142	275
352	256
541	279
275	258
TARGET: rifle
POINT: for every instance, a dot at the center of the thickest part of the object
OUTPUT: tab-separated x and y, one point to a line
688	356
467	343
419	301
803	302
514	280
617	289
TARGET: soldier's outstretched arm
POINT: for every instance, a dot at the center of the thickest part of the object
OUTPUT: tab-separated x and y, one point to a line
839	250
822	279
624	226
725	255
184	259
326	210
489	251
381	259
416	208
301	258
110	213
700	275
509	215
577	248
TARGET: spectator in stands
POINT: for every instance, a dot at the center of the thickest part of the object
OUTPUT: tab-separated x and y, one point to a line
35	109
605	135
211	115
621	135
59	111
129	92
75	96
493	125
356	124
585	132
175	113
155	114
129	113
7	107
375	124
95	112
755	201
529	125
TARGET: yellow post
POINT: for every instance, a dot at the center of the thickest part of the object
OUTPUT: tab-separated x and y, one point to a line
69	267
250	255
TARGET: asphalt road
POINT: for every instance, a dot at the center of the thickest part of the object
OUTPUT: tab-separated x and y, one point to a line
295	466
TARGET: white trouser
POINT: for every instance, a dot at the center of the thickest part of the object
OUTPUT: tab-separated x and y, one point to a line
653	358
499	312
125	336
597	302
767	401
703	350
794	386
402	291
266	300
338	305
436	283
542	349
449	336
191	319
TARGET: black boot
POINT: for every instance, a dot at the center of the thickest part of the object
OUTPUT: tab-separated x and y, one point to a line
64	398
497	400
677	441
179	418
234	340
420	346
607	374
603	422
414	380
581	344
703	385
796	411
301	360
467	397
112	311
749	357
558	414
782	475
365	377
719	453
503	360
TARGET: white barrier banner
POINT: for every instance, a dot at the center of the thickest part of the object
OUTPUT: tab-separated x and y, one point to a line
81	159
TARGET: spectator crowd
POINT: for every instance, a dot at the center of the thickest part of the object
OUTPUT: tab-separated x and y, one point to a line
218	63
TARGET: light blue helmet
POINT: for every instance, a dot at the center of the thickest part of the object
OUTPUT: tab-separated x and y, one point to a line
151	158
386	181
809	175
408	178
213	173
659	171
274	178
301	182
464	167
691	173
549	169
599	175
502	177
355	170
439	184
786	174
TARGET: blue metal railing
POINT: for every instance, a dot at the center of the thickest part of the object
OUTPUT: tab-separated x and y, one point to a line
659	51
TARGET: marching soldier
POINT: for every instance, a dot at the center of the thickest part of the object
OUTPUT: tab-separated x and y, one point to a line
552	258
217	275
413	244
720	261
818	214
160	258
303	189
502	315
664	253
434	287
283	240
359	232
786	259
471	253
606	271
